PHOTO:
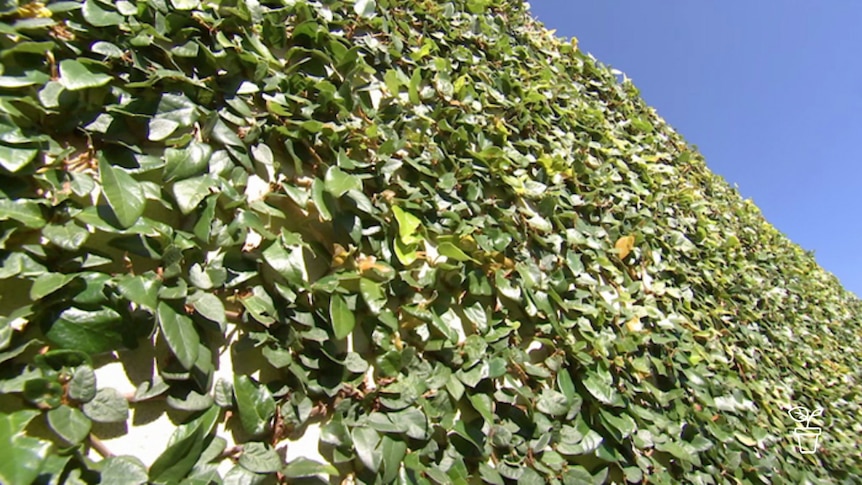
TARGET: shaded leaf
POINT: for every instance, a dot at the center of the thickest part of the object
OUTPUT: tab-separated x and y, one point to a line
342	317
69	423
179	333
124	193
24	211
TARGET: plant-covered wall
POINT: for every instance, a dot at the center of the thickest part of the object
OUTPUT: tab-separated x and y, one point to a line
454	246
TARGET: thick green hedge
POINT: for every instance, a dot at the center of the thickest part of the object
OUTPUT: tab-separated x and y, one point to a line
456	243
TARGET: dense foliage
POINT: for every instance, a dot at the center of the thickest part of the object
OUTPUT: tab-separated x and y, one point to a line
458	244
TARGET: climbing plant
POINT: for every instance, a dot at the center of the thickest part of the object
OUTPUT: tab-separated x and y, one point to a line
458	247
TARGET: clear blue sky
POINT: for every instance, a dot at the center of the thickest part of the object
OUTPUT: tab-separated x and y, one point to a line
771	93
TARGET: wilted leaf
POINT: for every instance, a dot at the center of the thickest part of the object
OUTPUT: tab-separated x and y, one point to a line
624	246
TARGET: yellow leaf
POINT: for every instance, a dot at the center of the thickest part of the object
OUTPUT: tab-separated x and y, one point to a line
624	245
635	325
34	10
340	255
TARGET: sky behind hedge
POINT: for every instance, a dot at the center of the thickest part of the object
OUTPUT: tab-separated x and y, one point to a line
771	93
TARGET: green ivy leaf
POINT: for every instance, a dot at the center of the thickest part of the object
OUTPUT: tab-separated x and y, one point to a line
365	8
577	475
190	192
124	193
240	476
62	358
185	4
75	76
589	443
127	470
305	468
107	407
259	458
48	283
602	390
161	128
341	316
256	405
552	403
180	334
675	449
148	390
621	426
69	236
393	452
210	307
366	441
69	424
319	198
93	332
82	387
99	17
406	253
142	290
412	421
188	400
46	393
372	294
186	162
408	226
567	386
287	261
24	211
14	159
260	305
23	455
337	182
453	252
185	447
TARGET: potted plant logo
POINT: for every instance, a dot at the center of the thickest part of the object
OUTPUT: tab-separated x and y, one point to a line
807	438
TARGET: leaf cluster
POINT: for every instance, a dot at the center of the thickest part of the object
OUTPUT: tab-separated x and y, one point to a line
460	246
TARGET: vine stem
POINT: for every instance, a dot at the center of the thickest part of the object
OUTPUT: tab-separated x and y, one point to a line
100	447
231	452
